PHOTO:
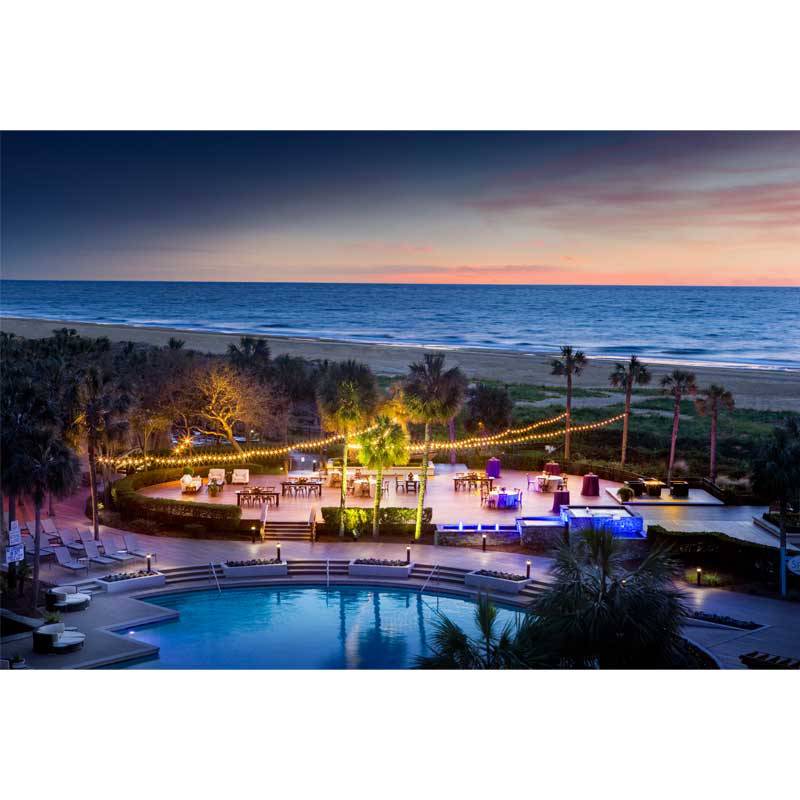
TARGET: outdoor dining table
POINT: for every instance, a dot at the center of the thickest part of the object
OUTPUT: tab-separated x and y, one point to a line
510	498
460	481
548	483
560	498
591	485
308	487
553	468
258	494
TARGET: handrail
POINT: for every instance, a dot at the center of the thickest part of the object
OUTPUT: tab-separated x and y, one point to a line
216	579
430	575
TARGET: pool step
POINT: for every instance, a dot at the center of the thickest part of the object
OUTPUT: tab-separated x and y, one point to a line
338	568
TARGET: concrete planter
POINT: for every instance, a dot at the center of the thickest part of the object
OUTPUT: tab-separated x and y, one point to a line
491	584
379	570
145	582
257	571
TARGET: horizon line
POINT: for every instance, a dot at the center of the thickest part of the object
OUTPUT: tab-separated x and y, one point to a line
415	283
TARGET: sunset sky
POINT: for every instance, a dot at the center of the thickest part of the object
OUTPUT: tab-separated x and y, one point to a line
583	208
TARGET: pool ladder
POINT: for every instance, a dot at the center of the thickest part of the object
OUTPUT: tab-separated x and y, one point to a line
214	574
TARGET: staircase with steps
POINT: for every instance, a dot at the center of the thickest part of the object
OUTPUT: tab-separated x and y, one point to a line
443	578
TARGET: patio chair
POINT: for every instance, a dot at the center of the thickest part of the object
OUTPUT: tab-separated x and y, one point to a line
66	598
65	559
399	484
191	484
49	527
112	550
132	547
216	475
94	556
56	638
532	481
241	476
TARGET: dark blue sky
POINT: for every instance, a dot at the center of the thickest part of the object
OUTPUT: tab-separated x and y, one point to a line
438	207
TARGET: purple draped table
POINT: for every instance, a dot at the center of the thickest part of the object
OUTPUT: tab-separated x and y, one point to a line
559	499
591	485
493	468
553	468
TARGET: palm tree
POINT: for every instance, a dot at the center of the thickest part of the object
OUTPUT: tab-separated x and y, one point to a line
251	355
454	649
432	394
624	376
488	409
776	475
714	400
346	395
46	465
595	614
571	364
384	444
102	403
678	383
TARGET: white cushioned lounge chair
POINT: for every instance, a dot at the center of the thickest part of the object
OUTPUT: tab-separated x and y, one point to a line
67	598
65	559
55	638
241	476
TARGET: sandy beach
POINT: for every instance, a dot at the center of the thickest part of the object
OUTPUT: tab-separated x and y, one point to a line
753	388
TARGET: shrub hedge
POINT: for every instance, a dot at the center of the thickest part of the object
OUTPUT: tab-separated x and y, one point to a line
132	505
393	520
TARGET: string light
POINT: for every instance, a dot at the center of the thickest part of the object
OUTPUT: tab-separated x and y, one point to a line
511	436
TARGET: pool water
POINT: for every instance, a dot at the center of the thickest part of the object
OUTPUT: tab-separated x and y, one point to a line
344	627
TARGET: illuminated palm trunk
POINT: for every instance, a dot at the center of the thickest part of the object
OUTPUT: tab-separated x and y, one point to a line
625	421
423	481
376	506
675	421
343	496
93	485
712	471
567	426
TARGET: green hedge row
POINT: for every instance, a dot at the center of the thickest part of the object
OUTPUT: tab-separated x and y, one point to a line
393	520
132	505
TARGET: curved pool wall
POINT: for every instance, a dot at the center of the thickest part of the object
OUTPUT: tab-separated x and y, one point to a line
280	627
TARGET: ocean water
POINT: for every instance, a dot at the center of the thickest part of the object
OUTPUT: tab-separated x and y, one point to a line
752	327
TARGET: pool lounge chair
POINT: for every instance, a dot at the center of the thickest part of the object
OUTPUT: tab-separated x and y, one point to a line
49	527
65	559
29	543
241	476
112	550
132	547
73	540
93	553
56	639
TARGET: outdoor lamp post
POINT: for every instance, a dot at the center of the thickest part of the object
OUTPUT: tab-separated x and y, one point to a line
699	575
278	548
483	542
252	534
408	554
527	569
149	557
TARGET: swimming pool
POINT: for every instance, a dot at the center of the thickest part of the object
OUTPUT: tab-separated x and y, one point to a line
344	627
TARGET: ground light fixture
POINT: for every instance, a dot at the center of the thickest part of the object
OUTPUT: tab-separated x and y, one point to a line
278	549
699	575
408	554
483	542
149	559
527	569
253	533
